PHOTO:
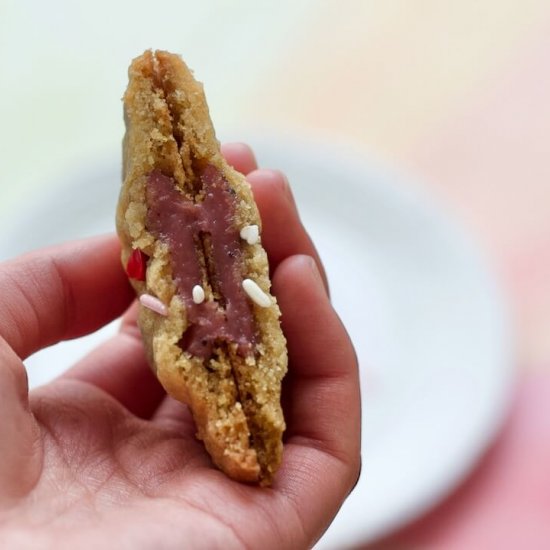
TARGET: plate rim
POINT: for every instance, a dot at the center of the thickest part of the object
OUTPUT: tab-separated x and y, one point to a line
355	158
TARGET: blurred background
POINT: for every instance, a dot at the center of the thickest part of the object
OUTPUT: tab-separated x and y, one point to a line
452	96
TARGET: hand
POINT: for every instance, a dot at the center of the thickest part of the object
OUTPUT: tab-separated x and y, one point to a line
102	458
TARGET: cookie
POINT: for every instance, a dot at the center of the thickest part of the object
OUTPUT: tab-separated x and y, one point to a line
191	246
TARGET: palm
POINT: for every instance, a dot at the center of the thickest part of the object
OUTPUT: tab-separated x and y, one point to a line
103	463
102	458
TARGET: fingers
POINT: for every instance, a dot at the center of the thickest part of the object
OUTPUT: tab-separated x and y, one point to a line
240	156
119	367
47	296
324	393
277	208
61	292
321	461
283	234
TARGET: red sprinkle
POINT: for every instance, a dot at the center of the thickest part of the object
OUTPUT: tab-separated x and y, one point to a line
137	263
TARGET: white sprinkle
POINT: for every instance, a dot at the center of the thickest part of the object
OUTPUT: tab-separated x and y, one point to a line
154	304
256	294
198	294
250	233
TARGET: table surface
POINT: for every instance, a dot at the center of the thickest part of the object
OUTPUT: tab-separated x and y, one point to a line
454	93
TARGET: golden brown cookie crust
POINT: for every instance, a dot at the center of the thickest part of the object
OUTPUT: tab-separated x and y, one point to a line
235	400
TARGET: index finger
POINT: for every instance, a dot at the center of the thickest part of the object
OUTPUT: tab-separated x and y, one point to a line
323	410
277	207
283	234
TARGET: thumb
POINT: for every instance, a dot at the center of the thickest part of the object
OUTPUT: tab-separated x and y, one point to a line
20	451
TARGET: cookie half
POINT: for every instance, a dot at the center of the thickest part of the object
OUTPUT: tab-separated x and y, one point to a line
191	245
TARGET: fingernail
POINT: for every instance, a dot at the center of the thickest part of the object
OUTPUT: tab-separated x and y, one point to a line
317	275
237	147
315	271
279	179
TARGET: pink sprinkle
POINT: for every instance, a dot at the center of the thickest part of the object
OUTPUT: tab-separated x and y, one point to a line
154	304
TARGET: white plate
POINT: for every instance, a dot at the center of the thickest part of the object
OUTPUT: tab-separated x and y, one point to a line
422	310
